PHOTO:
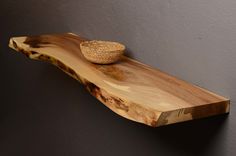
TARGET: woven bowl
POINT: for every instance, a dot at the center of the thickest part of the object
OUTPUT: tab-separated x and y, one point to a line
102	52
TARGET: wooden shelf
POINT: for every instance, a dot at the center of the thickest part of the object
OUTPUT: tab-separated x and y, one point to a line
129	88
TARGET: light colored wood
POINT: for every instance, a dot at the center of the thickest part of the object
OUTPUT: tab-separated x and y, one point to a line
129	88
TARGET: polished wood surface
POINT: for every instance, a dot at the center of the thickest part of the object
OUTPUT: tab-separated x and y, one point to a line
129	88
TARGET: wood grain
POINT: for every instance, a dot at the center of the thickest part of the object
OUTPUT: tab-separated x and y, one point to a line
129	88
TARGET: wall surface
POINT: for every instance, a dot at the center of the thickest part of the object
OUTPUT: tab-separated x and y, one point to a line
45	112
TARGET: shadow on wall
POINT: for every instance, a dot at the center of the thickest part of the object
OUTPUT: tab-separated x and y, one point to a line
19	18
199	137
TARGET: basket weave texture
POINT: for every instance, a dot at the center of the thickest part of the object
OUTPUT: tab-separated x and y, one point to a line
102	52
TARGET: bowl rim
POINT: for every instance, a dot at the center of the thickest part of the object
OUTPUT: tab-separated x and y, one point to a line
120	49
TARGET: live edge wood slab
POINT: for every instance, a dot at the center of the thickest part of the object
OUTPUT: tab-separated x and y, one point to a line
129	88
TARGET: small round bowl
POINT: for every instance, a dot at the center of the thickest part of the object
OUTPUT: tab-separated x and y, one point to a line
102	52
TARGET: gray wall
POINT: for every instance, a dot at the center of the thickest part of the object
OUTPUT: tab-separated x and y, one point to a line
193	40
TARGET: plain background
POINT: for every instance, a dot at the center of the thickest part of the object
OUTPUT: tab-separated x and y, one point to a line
45	112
